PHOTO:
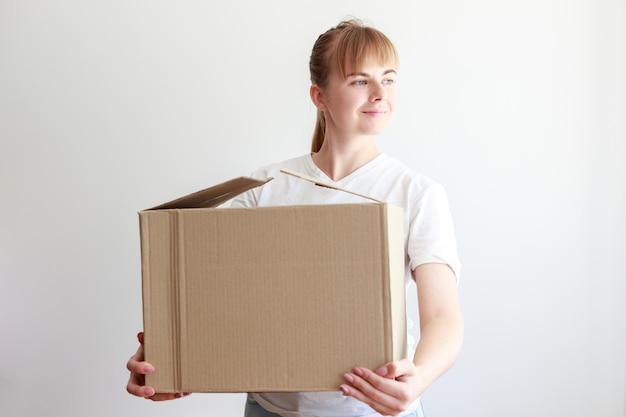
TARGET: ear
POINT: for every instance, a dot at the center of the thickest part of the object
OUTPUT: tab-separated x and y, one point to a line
317	97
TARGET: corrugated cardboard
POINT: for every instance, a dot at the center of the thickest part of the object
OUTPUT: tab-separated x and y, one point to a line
269	298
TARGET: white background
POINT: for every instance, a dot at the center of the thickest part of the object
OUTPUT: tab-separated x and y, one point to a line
517	107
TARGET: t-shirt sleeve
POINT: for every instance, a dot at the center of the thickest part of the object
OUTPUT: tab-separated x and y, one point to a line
249	198
431	231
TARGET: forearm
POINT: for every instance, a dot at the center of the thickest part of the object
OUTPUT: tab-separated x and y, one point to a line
439	346
441	321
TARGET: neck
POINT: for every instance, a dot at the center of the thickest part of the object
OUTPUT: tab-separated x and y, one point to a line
339	159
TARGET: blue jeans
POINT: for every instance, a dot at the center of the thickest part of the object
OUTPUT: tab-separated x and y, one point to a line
254	409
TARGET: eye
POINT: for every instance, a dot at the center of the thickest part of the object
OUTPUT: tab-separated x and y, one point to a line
389	81
359	82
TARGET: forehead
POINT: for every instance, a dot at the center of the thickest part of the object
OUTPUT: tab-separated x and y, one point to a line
372	55
369	66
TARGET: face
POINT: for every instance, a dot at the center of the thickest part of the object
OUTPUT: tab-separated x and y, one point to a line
362	104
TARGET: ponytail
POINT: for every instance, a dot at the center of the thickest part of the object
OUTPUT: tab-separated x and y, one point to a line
319	132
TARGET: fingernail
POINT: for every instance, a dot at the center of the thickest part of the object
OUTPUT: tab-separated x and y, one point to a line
358	371
149	392
382	371
148	368
344	389
349	378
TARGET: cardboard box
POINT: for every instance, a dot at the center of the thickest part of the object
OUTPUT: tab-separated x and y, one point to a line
269	298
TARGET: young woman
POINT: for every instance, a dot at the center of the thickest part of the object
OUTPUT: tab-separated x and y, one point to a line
353	85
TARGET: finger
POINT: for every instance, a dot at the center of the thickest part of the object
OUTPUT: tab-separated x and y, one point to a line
137	389
138	369
168	396
136	364
395	370
351	391
373	384
381	393
373	394
137	379
136	386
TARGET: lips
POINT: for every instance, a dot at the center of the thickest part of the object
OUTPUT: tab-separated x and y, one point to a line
375	112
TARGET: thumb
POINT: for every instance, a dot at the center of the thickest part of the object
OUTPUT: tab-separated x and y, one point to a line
395	370
382	371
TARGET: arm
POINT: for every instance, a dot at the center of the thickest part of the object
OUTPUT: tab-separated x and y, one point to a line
441	321
138	370
393	387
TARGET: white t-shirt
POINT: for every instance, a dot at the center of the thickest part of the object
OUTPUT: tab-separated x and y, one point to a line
429	238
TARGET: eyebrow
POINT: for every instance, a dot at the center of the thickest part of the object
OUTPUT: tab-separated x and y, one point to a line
365	74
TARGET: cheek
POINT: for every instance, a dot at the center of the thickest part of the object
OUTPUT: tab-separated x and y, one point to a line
336	103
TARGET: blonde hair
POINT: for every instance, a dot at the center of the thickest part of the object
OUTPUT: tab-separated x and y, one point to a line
342	48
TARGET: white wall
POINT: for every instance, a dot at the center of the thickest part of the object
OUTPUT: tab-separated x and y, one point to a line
517	107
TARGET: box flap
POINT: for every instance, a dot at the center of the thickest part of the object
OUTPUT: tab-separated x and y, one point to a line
214	196
327	185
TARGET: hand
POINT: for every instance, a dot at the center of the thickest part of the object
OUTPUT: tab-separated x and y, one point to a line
389	390
138	370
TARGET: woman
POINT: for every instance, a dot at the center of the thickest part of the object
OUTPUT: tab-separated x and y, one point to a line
353	72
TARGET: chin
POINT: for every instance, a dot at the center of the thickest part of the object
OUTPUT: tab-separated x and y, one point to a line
377	130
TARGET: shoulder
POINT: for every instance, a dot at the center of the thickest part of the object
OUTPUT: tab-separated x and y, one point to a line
397	175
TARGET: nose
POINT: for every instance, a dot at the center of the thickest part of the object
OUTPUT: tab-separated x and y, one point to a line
377	93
